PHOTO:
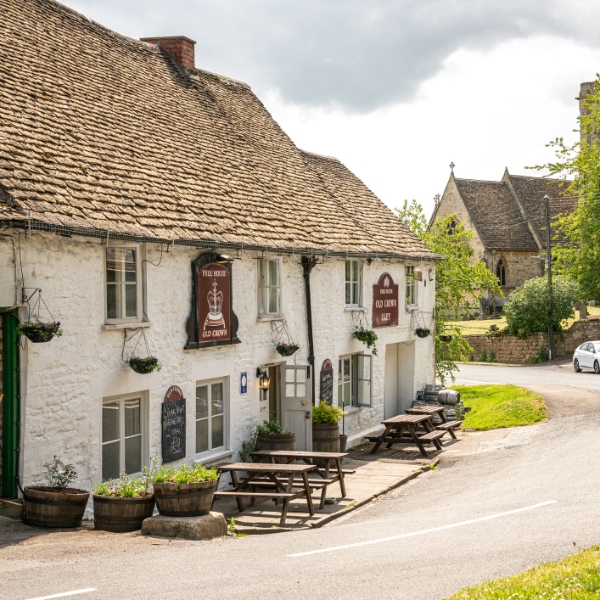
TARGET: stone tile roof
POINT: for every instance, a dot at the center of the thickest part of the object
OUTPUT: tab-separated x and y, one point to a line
104	133
496	215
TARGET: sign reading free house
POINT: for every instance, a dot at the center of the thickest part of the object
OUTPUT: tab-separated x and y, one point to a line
385	302
212	321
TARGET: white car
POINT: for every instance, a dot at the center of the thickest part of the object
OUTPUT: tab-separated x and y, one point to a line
587	356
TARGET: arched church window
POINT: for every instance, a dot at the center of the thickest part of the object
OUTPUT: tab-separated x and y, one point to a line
502	271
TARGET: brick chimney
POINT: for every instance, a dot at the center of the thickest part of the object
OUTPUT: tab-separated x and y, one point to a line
179	48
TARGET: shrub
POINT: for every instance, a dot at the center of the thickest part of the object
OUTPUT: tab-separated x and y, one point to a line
58	474
527	308
272	426
325	413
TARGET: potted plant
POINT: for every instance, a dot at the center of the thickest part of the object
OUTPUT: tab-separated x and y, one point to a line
55	504
271	436
185	490
37	332
326	432
422	332
286	349
122	504
144	365
368	337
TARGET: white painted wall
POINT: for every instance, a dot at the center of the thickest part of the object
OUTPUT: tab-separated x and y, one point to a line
65	380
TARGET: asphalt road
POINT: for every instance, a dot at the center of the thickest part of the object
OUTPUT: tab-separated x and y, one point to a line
505	507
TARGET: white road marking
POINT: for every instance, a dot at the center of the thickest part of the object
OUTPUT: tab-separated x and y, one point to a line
424	531
65	594
461	381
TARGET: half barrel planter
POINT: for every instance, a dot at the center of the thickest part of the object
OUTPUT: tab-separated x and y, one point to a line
121	515
276	441
185	499
326	438
45	506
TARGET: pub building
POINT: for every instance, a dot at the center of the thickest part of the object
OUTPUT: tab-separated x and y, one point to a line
157	209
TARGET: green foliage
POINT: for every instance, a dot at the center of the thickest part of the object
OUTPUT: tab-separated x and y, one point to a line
581	229
124	487
246	450
527	310
325	413
184	473
146	364
58	474
456	277
38	331
542	355
271	426
368	337
413	217
499	406
576	577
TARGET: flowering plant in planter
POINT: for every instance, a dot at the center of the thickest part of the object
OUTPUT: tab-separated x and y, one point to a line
144	365
38	332
286	349
422	332
368	337
184	473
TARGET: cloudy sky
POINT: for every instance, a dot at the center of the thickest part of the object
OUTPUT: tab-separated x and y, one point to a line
396	89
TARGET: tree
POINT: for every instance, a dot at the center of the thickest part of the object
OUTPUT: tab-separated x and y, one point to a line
581	229
413	217
526	309
456	278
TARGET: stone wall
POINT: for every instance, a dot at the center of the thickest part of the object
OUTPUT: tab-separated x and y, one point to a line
510	349
64	382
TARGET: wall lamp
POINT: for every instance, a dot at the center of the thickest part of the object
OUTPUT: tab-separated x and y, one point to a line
264	380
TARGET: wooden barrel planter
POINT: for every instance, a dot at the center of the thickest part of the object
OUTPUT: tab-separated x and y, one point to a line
326	438
192	500
45	506
122	514
276	441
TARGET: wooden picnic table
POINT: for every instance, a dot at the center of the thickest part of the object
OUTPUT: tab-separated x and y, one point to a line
291	456
273	472
404	428
440	411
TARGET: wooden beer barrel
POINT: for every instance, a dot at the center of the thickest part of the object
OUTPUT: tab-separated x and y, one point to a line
45	506
276	441
122	514
326	438
192	499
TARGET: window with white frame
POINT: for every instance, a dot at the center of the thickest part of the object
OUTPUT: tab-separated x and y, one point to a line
269	287
123	436
123	284
353	272
212	421
411	287
354	381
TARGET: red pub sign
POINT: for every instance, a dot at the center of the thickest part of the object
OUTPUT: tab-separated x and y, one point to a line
385	302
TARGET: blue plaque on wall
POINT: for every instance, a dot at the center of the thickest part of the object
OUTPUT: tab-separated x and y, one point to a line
244	383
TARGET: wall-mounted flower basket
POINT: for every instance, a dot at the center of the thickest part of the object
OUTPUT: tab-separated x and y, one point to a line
38	332
422	332
445	338
144	365
368	337
287	349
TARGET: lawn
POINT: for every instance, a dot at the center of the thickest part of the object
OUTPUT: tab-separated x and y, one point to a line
498	406
576	577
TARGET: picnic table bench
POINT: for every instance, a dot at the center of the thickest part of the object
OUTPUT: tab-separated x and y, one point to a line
403	430
284	489
291	456
440	411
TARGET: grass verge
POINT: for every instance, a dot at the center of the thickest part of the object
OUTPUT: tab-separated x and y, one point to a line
498	406
576	577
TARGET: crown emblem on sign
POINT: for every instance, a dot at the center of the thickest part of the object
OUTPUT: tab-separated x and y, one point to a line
215	308
386	282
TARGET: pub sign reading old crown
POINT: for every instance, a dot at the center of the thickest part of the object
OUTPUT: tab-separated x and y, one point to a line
212	321
385	302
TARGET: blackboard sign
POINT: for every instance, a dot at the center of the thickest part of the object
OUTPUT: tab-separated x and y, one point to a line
173	430
326	392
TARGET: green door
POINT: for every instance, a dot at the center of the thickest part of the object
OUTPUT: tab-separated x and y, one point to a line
9	403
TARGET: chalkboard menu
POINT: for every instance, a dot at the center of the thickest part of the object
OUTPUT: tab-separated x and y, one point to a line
173	425
326	392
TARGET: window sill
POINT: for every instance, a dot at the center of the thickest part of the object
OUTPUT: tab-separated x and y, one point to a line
211	458
411	307
121	326
354	309
352	409
270	318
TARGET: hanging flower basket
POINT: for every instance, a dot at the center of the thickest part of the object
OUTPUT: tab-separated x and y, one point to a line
144	365
368	337
445	338
38	332
286	349
422	332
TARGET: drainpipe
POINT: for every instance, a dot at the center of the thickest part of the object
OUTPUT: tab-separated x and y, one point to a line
307	267
10	404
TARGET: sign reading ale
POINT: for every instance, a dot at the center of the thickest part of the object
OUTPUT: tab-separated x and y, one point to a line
385	302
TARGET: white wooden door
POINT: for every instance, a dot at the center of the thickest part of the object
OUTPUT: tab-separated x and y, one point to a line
296	403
